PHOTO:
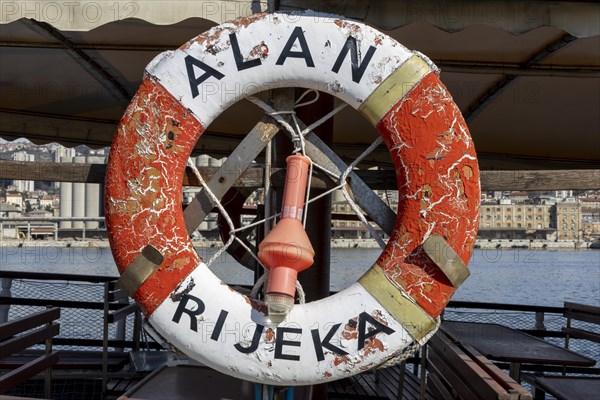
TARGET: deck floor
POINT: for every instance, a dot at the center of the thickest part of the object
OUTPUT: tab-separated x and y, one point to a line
383	385
187	382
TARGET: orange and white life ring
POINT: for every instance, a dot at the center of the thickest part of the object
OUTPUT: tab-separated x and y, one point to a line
397	302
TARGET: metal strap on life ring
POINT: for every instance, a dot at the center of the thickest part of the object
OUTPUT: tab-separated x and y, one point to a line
144	265
416	321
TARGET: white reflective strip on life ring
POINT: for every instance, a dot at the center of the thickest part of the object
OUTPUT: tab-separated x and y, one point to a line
324	39
214	322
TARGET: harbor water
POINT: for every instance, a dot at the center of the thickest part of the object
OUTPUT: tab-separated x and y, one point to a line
516	276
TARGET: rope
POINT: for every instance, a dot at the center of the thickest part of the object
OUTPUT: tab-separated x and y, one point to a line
323	119
408	352
299	99
402	356
299	147
300	293
216	201
259	284
350	201
277	115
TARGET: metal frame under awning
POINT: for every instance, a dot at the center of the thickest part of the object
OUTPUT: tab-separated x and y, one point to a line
526	75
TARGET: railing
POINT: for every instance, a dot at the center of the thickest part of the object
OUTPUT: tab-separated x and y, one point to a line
83	301
539	311
22	333
50	225
540	321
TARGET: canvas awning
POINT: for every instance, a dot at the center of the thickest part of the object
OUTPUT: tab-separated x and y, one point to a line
525	74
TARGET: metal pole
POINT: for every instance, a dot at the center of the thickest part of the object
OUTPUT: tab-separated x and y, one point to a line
316	279
5	285
48	373
105	339
277	151
122	323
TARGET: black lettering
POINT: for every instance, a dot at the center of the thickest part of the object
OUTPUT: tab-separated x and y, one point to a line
255	340
280	342
319	345
181	309
237	55
194	80
287	52
363	335
219	325
357	69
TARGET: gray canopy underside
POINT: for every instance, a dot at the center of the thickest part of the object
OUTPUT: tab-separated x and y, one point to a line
526	75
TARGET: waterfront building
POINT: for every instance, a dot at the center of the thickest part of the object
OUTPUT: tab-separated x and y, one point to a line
9	211
568	219
509	217
39	214
505	220
590	218
590	222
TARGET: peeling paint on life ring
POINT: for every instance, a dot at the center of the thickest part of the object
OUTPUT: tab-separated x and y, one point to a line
397	301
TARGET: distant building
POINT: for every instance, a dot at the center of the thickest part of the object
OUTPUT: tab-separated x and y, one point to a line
516	221
59	154
9	211
545	199
590	202
46	201
568	219
39	214
564	194
518	197
510	216
590	218
23	186
16	199
33	203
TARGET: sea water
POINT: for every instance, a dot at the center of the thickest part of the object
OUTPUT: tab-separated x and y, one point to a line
516	276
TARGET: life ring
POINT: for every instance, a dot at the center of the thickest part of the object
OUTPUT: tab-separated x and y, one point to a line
397	302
